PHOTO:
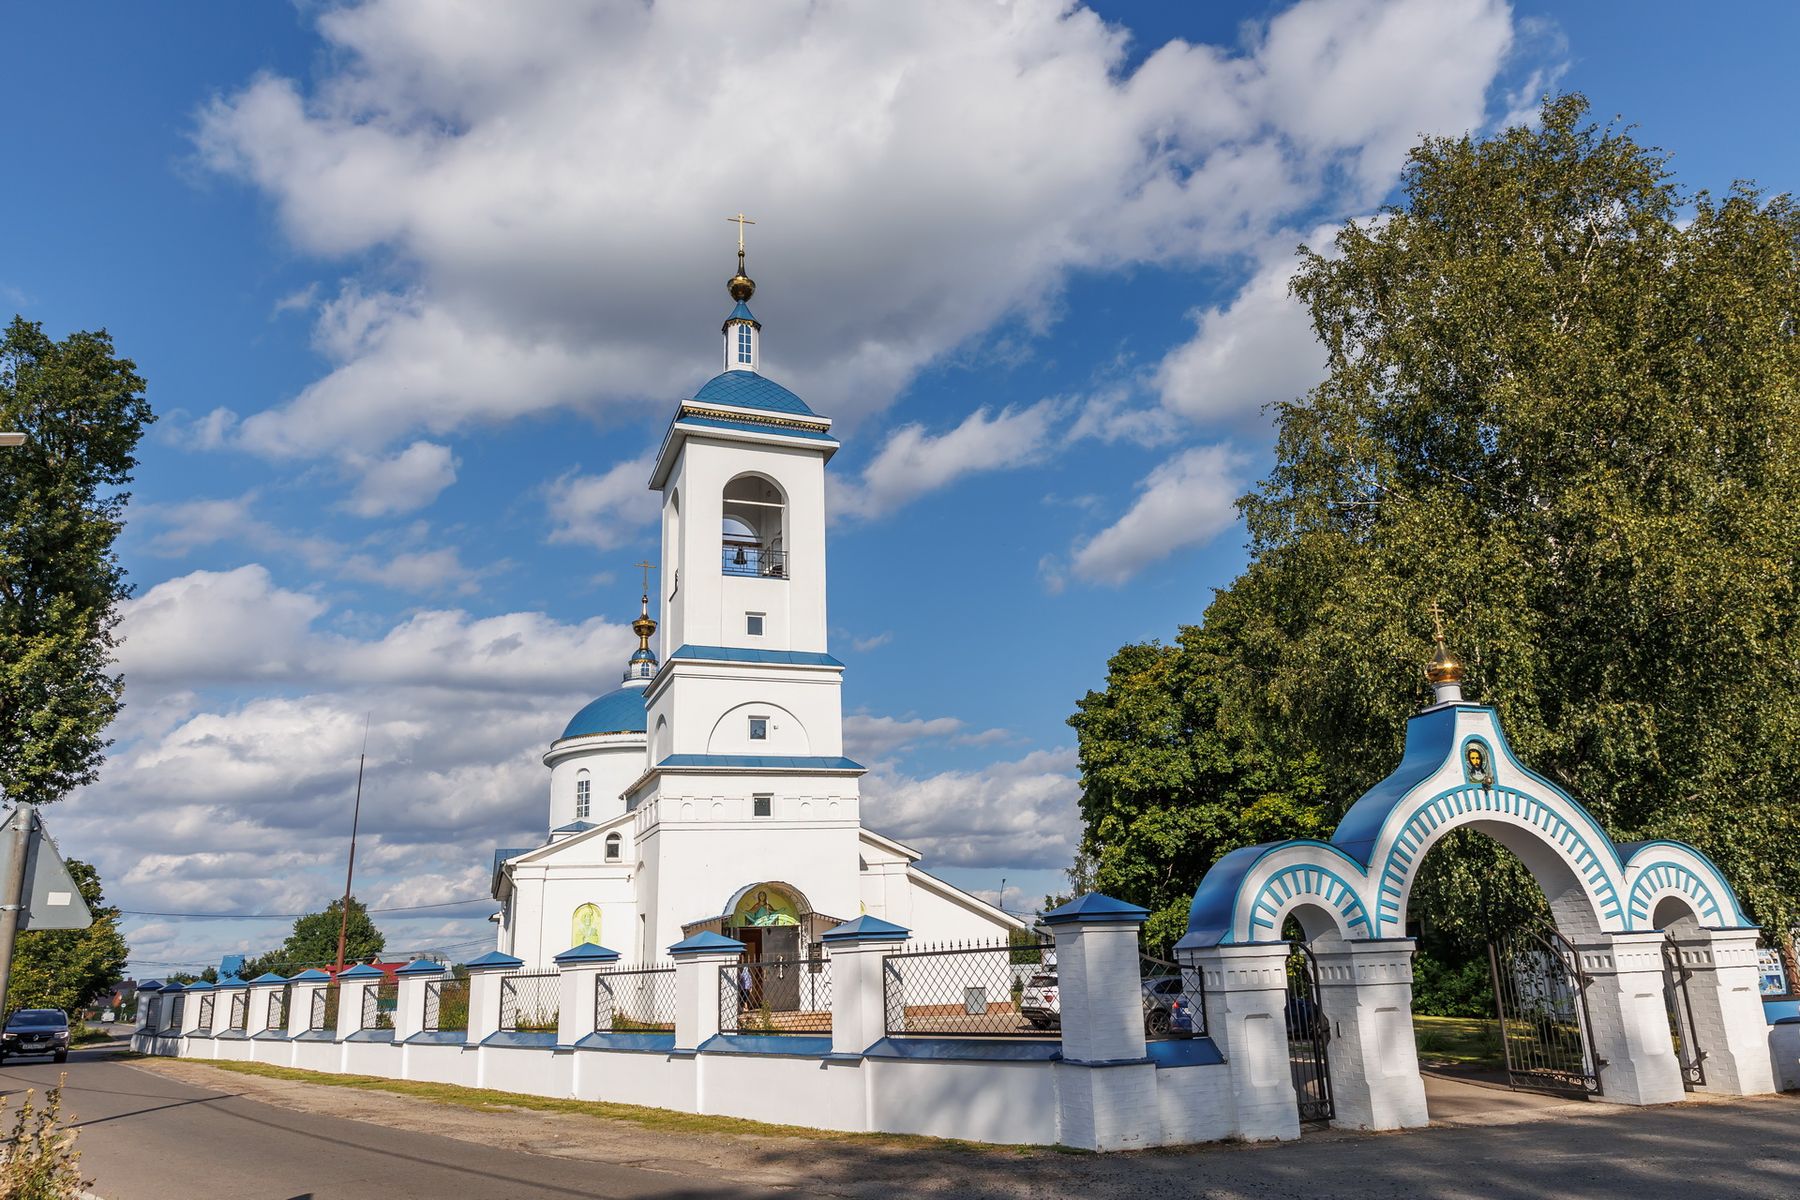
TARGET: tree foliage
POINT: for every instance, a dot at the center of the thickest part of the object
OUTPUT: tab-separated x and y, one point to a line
69	968
61	508
1563	400
313	943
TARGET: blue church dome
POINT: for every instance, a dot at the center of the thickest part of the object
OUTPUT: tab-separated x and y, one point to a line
616	712
747	389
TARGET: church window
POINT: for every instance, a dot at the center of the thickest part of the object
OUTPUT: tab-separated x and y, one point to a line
754	528
762	804
583	796
613	844
743	343
753	624
759	729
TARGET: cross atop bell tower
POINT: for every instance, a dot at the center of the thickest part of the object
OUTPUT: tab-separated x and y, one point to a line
743	332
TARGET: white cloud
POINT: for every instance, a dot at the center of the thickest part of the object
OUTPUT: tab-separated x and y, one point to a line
604	510
403	482
913	462
1021	813
1185	501
872	737
1258	349
547	181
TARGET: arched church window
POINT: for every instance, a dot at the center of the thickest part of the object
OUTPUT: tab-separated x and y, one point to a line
614	843
583	796
753	537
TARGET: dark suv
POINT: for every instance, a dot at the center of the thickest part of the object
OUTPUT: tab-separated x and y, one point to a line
36	1031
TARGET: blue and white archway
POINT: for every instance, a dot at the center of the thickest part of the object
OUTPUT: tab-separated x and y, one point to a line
1457	772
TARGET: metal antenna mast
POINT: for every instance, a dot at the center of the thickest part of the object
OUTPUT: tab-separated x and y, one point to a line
350	871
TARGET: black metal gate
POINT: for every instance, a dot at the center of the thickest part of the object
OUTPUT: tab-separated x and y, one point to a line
1681	1016
1308	1032
1540	992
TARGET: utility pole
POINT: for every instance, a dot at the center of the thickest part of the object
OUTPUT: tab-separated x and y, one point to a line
13	903
350	871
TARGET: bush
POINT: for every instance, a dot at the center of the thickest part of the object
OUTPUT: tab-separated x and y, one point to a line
1444	990
37	1161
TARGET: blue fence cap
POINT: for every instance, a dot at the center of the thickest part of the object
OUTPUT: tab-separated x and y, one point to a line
199	985
1096	909
587	952
269	977
421	966
361	971
310	975
866	929
232	981
493	958
707	942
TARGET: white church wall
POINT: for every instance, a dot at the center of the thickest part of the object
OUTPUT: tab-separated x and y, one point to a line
707	691
886	892
612	762
545	899
939	914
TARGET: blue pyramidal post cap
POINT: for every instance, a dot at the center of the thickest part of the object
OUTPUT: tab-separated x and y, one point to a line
360	971
493	959
707	942
232	981
1095	909
150	985
268	977
867	929
311	975
199	985
587	952
421	966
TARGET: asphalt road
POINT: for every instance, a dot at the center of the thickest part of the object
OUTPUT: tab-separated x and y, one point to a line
144	1137
148	1137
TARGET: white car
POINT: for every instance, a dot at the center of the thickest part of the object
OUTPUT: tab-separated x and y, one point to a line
1039	1002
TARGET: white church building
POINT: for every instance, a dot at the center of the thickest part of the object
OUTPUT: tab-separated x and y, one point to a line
710	792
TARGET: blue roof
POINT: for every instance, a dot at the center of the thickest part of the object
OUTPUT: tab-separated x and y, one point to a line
269	977
790	658
421	966
866	929
1093	908
709	941
232	981
587	952
361	971
781	762
747	389
742	313
575	827
616	712
493	958
310	975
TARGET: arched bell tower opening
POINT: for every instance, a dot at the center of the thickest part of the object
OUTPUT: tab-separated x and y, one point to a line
753	534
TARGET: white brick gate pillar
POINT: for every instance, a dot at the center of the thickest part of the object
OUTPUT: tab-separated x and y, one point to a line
1246	1017
1627	1018
698	961
1729	1026
859	950
580	1015
303	987
409	998
485	974
190	1010
263	990
351	986
1365	993
1105	1083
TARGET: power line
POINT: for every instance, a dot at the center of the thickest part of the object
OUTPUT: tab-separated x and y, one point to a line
227	916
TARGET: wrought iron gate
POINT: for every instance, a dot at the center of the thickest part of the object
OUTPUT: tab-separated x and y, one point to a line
1308	1032
1540	992
1681	1016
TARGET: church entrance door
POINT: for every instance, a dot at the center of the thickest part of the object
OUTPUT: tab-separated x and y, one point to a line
781	980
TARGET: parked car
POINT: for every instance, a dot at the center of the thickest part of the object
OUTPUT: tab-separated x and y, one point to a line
1168	1008
1305	1019
1039	1002
36	1031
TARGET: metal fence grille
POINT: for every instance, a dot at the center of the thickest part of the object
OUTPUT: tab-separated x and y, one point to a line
531	1003
240	1011
635	1000
1174	1001
378	1004
324	1004
781	996
991	989
152	1011
278	1006
447	1004
206	1014
176	1010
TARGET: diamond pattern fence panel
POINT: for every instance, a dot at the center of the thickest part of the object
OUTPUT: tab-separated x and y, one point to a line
239	1018
635	999
781	996
379	1003
1174	1004
206	1014
530	1002
973	989
447	1005
324	1007
278	1007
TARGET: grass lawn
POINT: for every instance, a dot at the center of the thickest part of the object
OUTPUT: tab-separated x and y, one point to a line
1458	1042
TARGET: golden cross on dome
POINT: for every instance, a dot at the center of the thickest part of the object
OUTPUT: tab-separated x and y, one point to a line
741	220
1437	622
647	567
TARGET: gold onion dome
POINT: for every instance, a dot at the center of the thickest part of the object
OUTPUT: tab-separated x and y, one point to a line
643	627
741	286
1443	667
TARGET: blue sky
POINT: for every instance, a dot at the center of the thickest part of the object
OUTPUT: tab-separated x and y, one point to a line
416	286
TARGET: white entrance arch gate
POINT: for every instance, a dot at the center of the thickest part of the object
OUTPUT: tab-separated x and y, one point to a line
1349	895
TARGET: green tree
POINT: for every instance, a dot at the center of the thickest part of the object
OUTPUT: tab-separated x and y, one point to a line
1563	399
313	943
69	968
61	508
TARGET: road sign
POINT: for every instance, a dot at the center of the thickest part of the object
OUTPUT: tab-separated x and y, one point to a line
51	899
